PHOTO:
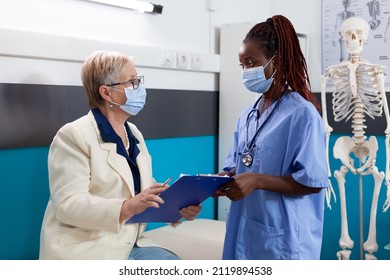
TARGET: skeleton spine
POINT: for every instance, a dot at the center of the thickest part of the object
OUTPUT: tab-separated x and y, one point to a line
358	120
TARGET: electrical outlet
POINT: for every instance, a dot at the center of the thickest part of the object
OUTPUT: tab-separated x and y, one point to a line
167	58
183	59
196	62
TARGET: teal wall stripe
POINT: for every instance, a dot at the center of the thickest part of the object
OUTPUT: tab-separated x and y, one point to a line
24	193
187	155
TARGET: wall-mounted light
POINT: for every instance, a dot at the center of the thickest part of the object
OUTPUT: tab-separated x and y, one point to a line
141	6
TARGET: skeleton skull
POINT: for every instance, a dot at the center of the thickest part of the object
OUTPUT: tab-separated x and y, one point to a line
346	3
355	32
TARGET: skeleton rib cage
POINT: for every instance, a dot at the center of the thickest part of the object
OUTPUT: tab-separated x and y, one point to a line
355	100
367	96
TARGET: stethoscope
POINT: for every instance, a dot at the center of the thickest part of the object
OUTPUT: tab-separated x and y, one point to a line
246	156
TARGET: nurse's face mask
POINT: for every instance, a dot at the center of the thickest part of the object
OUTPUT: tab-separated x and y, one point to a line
254	78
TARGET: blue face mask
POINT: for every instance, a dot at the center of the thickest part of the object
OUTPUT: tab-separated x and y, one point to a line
136	99
254	79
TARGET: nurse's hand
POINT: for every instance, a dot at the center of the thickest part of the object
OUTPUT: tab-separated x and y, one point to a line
230	173
147	198
242	185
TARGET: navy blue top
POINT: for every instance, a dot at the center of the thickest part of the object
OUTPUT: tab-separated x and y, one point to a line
109	135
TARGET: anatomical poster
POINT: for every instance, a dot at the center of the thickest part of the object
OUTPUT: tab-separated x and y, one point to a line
377	48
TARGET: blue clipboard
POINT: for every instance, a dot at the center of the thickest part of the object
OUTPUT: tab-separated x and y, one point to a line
185	191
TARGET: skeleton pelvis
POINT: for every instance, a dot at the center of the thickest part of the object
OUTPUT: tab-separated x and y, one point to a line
366	152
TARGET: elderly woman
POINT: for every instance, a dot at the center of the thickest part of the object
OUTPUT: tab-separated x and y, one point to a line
100	172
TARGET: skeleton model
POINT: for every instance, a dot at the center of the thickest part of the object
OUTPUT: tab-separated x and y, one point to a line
374	10
339	20
358	91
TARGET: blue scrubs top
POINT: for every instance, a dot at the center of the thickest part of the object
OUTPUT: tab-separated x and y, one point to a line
270	225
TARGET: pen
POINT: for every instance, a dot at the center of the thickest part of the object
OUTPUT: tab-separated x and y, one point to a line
166	182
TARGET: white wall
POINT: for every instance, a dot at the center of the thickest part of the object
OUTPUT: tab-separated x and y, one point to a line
178	26
188	26
46	41
233	11
305	15
43	58
184	24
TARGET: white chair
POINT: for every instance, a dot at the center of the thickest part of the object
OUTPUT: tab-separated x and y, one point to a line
201	239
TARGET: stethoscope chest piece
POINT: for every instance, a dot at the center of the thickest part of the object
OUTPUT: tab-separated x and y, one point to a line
247	159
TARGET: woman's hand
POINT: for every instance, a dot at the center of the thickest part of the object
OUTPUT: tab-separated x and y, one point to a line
147	198
191	212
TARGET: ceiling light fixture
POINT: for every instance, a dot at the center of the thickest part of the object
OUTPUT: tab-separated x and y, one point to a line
141	6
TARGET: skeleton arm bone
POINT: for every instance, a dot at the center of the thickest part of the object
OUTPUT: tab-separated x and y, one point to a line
329	191
381	87
380	83
386	205
328	128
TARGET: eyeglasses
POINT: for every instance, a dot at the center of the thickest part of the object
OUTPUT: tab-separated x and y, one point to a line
132	82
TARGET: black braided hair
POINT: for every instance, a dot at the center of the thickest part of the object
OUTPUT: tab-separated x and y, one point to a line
277	36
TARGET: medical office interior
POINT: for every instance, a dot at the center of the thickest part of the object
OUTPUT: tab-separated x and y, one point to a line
188	54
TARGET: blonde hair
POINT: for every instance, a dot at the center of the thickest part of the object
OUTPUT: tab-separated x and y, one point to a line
102	68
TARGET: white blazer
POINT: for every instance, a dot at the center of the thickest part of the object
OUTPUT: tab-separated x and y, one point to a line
89	182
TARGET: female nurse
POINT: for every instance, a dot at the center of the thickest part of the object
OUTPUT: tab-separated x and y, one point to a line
278	156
